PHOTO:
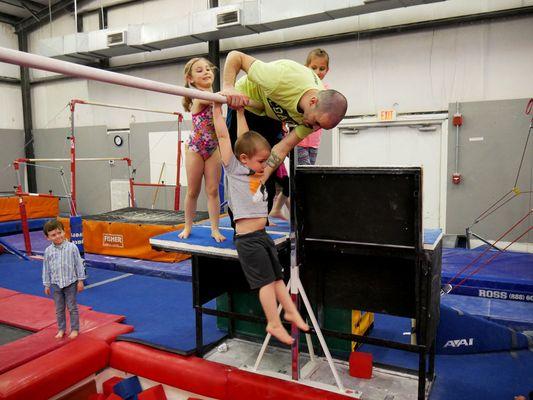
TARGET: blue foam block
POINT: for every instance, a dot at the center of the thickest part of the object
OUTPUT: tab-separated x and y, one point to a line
128	388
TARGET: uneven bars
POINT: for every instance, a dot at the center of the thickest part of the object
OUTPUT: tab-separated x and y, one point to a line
26	160
29	60
92	103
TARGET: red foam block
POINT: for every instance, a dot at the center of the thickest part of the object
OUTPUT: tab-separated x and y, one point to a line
108	385
153	393
113	396
361	365
93	318
97	396
243	385
192	374
56	371
108	332
29	348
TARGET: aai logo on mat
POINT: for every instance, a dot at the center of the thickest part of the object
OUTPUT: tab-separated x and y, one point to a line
113	240
460	342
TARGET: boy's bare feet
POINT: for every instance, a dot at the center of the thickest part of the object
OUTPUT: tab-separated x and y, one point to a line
297	319
219	237
185	233
280	333
73	335
60	334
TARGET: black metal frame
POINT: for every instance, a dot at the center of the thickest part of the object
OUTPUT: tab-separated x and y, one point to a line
214	275
407	251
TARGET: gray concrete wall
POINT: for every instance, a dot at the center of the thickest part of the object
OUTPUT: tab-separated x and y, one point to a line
325	151
11	147
489	168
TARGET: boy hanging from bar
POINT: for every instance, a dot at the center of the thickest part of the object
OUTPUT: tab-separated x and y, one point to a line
257	252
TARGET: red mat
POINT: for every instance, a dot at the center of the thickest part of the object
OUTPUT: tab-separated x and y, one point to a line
55	371
38	314
109	332
28	348
29	312
90	319
6	293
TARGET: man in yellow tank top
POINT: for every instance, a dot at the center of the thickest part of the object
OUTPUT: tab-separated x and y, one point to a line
288	92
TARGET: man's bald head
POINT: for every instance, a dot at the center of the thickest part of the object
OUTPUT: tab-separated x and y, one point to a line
333	103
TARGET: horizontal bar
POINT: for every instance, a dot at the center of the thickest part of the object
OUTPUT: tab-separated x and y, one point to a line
93	103
153	184
350	243
81	71
68	159
40	195
413	348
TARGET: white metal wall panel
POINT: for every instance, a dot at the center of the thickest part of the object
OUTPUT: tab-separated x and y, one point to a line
11	116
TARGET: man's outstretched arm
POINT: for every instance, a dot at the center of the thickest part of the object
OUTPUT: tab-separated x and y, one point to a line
279	152
235	62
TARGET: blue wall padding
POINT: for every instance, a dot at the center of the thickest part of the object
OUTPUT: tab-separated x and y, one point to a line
128	388
463	333
76	232
16	226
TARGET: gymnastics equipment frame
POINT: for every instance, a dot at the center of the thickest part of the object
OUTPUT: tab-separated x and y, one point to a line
71	69
132	182
72	193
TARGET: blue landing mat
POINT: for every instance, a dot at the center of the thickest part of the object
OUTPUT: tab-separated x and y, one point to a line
516	315
488	376
160	310
25	276
508	277
179	271
200	236
200	240
492	376
16	226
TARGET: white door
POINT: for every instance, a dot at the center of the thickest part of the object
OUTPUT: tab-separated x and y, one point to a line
401	145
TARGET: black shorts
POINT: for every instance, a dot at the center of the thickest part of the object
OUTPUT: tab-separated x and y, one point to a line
259	258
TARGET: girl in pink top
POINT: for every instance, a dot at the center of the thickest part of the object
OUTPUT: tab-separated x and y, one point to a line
307	149
318	61
202	158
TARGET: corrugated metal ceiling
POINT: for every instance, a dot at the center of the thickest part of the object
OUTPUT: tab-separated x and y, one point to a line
15	11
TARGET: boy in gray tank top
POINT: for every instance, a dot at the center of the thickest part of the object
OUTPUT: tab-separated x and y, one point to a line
247	199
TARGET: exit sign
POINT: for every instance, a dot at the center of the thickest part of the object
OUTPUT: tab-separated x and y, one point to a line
387	115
